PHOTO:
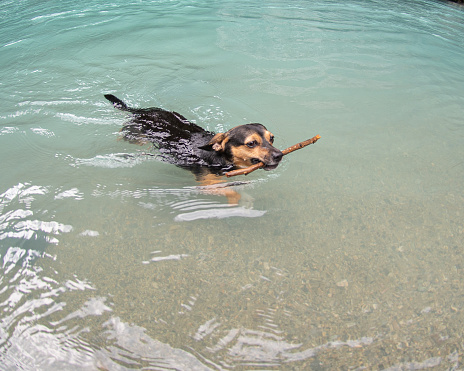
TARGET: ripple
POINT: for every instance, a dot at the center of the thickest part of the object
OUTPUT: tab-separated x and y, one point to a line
188	207
8	130
132	343
113	160
28	300
80	120
89	233
44	132
164	258
18	224
220	213
30	337
28	229
70	193
12	43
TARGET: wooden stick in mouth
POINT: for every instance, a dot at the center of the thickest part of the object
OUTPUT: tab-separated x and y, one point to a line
259	165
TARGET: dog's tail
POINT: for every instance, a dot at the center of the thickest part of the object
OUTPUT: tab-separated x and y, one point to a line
118	103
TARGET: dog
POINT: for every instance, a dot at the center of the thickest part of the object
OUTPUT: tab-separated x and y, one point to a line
206	154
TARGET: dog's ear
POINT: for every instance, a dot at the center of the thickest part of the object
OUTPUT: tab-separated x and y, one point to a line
217	143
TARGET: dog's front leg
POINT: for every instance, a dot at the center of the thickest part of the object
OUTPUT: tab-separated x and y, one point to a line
214	184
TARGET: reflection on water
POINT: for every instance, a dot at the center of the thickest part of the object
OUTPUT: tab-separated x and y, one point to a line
347	256
208	210
19	223
30	337
141	293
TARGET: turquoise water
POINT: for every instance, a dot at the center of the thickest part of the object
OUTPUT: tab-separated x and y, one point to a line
348	256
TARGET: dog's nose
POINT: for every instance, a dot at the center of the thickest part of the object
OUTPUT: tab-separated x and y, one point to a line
277	156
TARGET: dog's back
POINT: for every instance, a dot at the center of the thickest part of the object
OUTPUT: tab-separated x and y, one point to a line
178	140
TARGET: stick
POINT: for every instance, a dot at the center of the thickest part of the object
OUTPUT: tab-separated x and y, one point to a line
251	168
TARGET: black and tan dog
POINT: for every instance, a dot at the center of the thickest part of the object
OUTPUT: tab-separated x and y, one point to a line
208	155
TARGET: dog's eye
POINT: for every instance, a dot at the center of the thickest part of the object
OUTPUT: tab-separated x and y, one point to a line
271	139
252	144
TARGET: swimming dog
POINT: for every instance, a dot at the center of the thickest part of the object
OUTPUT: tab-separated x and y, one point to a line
206	154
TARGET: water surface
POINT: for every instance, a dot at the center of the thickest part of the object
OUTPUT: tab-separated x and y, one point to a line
348	256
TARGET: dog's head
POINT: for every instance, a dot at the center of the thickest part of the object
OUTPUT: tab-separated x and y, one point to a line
246	145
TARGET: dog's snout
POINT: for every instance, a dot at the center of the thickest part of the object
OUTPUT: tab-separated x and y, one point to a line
277	156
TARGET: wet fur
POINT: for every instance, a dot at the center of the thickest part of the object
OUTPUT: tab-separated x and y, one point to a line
188	145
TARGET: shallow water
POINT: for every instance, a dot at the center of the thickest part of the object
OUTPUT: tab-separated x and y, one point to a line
347	256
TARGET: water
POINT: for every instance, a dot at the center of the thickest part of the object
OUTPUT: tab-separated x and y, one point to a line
348	256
